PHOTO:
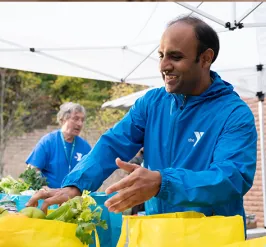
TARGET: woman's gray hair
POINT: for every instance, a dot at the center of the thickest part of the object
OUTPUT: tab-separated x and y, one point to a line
66	109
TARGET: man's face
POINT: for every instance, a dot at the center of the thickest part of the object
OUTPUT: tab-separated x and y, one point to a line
178	51
73	125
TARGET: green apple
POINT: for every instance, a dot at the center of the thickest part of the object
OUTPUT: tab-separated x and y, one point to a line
3	212
33	212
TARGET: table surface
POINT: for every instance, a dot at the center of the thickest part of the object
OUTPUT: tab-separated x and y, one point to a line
256	232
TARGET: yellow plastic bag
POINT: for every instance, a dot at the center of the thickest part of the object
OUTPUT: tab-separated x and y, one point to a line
256	242
20	231
187	229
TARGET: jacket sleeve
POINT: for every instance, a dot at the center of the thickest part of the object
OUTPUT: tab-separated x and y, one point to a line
229	176
123	140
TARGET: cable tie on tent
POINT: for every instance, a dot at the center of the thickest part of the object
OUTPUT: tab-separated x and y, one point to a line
228	25
259	67
124	47
240	25
32	49
260	96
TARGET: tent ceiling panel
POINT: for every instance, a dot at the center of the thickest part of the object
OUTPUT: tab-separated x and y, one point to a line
114	41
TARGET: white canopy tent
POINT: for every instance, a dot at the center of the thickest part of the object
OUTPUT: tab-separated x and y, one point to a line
125	102
119	41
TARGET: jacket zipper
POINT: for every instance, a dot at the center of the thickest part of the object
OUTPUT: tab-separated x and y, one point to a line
172	130
183	103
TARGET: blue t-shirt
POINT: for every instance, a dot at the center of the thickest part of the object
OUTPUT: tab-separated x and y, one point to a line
50	157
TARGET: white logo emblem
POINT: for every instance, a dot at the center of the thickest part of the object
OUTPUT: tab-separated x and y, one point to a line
79	156
198	136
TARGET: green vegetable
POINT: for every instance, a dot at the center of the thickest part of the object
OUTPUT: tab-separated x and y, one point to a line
79	210
34	178
9	185
14	192
60	214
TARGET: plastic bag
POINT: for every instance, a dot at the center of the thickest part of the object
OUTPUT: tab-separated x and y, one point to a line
20	231
187	229
108	238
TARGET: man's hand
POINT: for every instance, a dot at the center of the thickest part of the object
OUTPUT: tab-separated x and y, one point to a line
138	187
53	196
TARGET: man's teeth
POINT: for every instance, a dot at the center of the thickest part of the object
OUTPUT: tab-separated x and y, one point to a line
171	77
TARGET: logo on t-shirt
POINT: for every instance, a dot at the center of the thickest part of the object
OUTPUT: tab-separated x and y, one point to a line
78	156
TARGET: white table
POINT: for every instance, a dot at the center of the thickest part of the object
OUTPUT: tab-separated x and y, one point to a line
256	232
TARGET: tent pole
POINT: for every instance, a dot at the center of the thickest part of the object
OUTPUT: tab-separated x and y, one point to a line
233	20
248	12
261	122
261	96
254	24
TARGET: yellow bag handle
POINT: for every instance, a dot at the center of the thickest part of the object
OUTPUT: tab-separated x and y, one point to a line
125	231
97	239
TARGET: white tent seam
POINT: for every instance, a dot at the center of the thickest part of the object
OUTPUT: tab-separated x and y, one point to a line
140	63
202	13
75	65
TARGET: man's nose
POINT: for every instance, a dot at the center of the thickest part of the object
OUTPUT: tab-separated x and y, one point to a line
80	123
165	65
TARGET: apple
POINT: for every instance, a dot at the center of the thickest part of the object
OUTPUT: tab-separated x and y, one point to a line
3	212
33	212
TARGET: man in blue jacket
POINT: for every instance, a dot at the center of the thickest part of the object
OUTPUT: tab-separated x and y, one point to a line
199	138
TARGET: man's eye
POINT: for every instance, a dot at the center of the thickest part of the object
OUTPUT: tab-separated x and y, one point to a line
176	58
160	56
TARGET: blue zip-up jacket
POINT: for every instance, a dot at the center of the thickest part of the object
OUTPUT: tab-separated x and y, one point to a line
204	147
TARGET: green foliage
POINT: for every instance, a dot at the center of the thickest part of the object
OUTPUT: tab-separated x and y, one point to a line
24	103
107	117
34	178
36	104
89	93
81	211
9	185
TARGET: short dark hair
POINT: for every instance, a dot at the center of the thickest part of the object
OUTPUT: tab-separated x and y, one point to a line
205	35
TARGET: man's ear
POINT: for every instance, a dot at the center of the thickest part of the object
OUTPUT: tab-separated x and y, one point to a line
206	58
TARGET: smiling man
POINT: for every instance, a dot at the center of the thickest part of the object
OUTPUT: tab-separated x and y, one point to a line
58	152
199	137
